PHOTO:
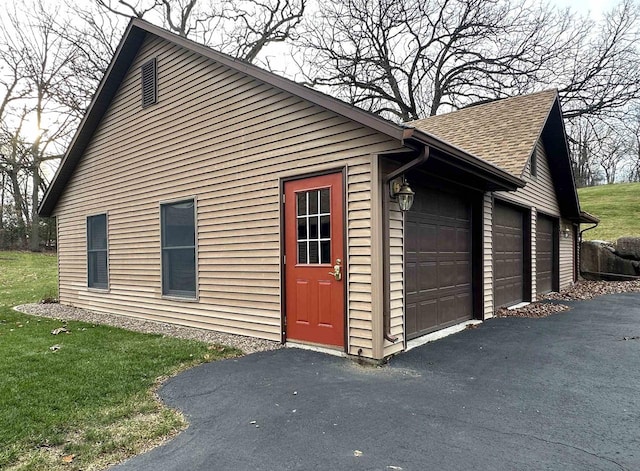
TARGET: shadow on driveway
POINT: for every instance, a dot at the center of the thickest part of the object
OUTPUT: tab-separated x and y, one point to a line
559	393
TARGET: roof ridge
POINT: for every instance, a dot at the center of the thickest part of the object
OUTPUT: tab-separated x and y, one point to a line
503	132
485	104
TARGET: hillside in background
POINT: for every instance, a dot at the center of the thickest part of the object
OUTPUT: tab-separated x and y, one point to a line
617	206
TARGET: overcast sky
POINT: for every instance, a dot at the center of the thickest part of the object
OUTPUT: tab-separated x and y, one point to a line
582	6
596	7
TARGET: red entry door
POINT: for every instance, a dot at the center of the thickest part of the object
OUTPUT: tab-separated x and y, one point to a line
314	266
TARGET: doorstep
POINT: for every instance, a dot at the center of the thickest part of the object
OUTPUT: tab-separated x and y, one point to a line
316	348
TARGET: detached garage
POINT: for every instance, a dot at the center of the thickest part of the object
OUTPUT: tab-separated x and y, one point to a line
288	201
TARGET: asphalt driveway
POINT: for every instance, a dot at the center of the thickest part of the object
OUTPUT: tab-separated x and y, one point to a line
560	393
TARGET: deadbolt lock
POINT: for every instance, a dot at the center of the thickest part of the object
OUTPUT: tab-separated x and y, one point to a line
337	270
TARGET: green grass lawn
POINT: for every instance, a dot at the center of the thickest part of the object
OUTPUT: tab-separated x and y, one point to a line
90	403
617	206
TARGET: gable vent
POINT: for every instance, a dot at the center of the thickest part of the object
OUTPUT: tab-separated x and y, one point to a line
149	83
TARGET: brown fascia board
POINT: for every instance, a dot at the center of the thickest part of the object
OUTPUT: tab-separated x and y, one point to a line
505	180
555	138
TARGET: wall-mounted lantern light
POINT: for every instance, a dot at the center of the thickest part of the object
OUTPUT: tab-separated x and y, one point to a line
401	190
566	232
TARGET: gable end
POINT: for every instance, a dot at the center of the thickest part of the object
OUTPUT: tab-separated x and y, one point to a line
555	141
149	76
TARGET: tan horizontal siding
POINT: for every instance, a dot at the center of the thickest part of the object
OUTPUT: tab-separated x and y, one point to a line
155	170
539	191
225	139
359	257
487	255
566	255
534	265
396	292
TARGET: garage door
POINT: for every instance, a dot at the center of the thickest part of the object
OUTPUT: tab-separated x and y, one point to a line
545	254
437	262
508	254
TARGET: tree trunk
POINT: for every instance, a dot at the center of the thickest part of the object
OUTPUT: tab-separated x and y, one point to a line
34	240
18	202
2	190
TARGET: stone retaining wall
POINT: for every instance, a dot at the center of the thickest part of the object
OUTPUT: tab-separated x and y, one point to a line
601	260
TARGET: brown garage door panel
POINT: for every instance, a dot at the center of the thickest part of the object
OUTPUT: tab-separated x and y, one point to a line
508	254
545	254
437	262
437	313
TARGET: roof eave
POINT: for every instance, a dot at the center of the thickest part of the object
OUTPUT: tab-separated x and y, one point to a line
587	218
504	180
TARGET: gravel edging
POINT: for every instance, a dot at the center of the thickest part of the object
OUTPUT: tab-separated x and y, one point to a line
579	291
66	313
585	289
532	310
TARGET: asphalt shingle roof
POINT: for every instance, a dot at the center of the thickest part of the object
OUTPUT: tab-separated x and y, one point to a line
502	132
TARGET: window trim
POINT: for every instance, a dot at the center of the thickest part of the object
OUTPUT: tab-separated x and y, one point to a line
154	62
307	217
173	296
98	289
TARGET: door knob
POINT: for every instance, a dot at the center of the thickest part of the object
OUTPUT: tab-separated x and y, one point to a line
337	270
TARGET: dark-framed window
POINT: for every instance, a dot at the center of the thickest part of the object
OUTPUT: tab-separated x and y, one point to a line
149	79
97	252
178	234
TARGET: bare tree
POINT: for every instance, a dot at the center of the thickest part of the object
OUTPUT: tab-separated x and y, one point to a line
598	74
40	62
14	166
632	134
411	58
252	25
94	36
241	28
611	150
605	150
586	172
